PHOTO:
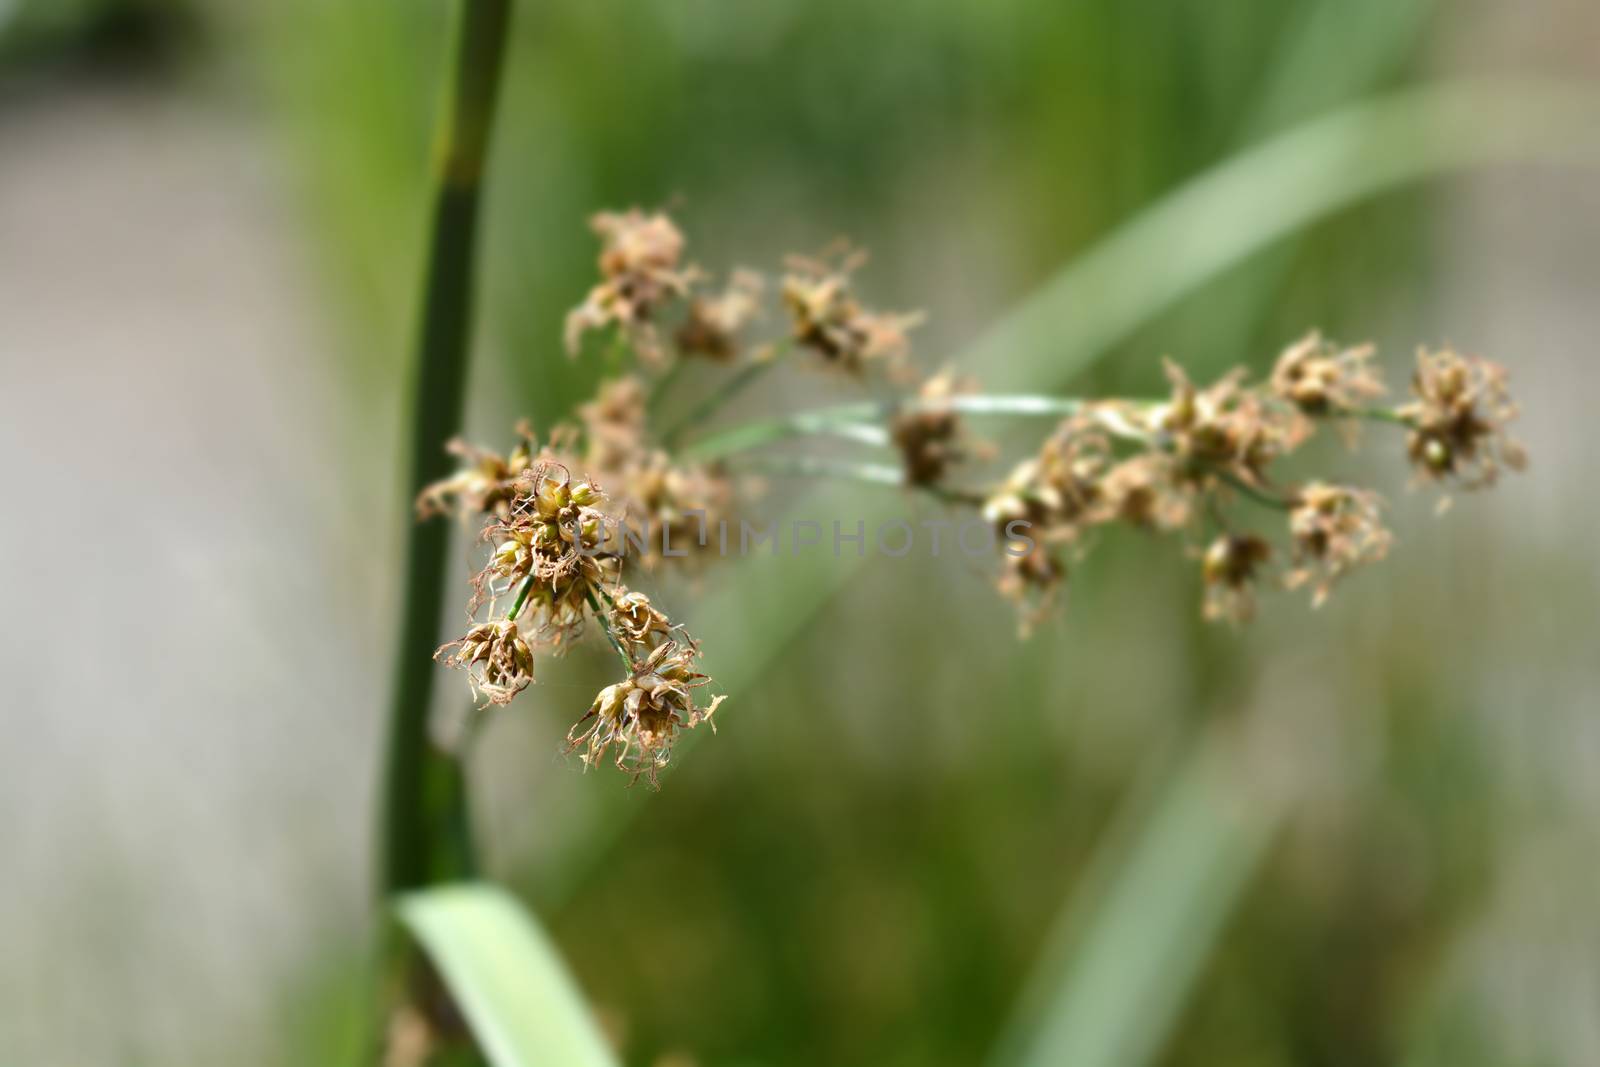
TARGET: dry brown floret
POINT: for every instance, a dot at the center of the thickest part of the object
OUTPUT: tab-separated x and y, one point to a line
614	424
1320	378
486	485
715	323
498	662
1458	420
1033	582
1146	491
1229	569
929	433
642	714
828	319
1225	428
1334	529
637	624
641	271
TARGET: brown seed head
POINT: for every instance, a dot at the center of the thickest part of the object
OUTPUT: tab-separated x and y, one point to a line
1319	378
641	271
1458	420
1225	427
929	435
1228	568
642	714
485	485
828	319
1334	529
714	324
498	662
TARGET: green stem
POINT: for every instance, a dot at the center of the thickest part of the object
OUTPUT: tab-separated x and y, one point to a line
742	380
866	473
423	798
855	421
1260	496
605	627
663	385
522	598
848	419
1371	415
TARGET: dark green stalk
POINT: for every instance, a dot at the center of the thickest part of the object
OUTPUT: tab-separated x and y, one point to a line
522	598
1259	495
423	798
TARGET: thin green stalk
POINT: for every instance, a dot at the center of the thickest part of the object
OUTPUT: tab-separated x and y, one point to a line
522	598
422	804
1392	415
848	420
845	470
663	385
822	467
742	380
855	421
605	627
1259	495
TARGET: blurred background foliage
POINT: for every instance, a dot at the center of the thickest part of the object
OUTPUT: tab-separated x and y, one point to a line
866	865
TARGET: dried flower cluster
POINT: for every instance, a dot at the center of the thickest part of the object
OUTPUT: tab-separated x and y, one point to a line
1457	419
551	562
829	320
1177	466
1183	462
559	541
640	272
930	435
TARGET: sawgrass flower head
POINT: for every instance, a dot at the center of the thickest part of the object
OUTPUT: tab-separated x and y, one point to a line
1458	416
827	318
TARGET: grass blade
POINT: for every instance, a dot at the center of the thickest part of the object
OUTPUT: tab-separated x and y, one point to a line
1266	193
1130	944
505	976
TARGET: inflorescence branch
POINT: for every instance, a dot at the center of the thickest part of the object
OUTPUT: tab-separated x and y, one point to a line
1172	466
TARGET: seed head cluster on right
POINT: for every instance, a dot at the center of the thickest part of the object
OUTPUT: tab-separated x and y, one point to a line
1179	465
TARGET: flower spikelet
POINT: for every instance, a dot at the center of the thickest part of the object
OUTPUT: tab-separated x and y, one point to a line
929	434
486	484
497	659
640	716
640	272
1458	420
715	323
1334	529
1229	569
828	319
1320	378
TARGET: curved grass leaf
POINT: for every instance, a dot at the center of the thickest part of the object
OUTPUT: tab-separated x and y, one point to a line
1135	935
1266	193
505	976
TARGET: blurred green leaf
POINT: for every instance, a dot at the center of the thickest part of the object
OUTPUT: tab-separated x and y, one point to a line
1266	193
505	976
1134	938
